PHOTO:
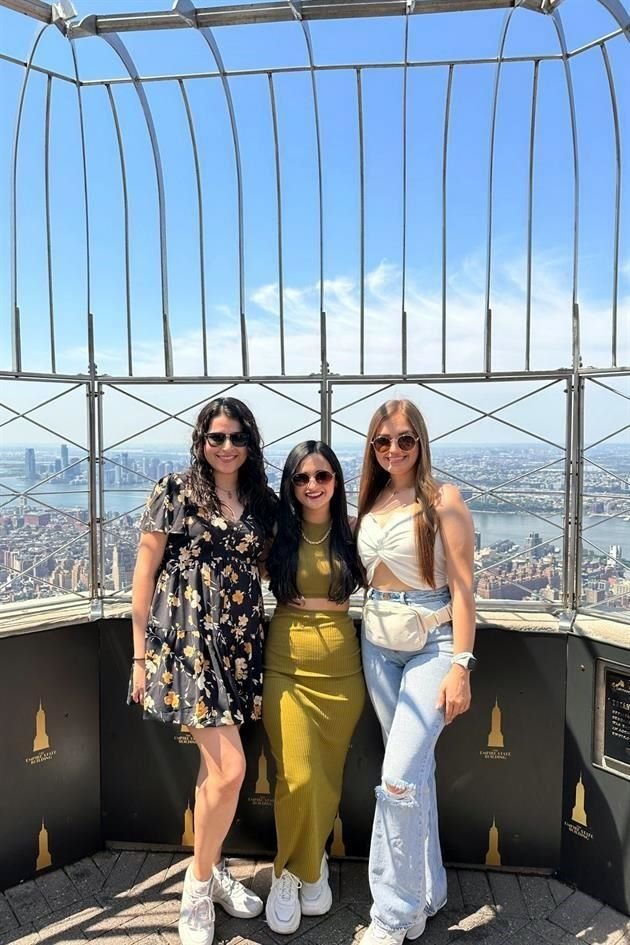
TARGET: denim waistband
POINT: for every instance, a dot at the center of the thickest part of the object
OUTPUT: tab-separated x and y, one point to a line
440	596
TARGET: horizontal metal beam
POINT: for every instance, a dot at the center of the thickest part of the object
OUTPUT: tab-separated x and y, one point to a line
37	9
278	11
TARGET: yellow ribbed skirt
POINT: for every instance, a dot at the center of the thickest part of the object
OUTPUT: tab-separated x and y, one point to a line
313	695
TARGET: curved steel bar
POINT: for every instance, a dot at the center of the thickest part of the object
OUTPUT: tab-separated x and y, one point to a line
51	307
495	100
276	151
208	36
575	313
16	333
404	202
123	178
322	313
618	13
123	54
530	217
615	116
86	206
447	116
202	260
361	225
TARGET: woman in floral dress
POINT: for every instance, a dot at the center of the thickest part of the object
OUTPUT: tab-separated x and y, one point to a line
198	634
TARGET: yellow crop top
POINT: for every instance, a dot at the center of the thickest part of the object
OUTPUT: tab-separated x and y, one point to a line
314	571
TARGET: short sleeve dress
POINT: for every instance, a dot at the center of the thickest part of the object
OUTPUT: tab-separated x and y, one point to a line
204	639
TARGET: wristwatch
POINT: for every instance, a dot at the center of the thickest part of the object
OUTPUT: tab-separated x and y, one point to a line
467	660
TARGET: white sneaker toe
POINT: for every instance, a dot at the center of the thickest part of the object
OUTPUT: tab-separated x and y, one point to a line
234	897
196	915
316	898
282	911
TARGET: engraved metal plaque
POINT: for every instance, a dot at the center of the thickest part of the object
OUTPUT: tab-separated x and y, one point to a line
612	718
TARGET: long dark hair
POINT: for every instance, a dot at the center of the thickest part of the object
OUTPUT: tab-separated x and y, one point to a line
282	563
374	479
253	489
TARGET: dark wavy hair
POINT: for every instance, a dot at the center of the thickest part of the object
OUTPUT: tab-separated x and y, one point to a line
282	563
253	489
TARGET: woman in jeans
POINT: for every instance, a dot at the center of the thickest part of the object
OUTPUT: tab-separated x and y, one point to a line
415	540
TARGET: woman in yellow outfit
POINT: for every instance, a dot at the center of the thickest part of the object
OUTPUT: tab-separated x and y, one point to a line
313	690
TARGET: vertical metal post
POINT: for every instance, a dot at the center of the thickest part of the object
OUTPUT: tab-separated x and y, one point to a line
361	226
325	405
276	151
566	533
578	484
92	393
101	494
404	204
574	483
447	115
530	217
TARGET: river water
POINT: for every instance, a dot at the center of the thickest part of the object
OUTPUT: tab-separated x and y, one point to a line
493	526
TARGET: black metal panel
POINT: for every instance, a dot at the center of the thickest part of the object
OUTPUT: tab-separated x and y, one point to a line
149	769
500	765
596	803
50	783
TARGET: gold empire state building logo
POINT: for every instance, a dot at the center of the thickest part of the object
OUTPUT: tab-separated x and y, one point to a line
41	740
338	847
42	752
493	856
44	858
188	836
578	814
495	736
262	781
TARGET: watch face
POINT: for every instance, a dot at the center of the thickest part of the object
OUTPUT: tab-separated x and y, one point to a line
471	663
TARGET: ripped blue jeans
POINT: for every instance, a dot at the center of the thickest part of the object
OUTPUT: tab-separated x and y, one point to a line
407	876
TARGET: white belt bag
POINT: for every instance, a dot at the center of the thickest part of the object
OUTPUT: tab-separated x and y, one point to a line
396	625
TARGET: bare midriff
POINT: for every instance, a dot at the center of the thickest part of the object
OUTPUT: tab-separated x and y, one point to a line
318	603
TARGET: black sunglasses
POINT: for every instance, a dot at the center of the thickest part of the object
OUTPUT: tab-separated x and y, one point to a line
405	442
322	477
218	439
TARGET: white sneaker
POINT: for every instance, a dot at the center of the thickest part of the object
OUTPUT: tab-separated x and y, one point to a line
375	935
416	930
196	914
316	898
283	911
236	899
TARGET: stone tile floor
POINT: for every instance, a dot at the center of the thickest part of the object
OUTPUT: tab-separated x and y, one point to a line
130	897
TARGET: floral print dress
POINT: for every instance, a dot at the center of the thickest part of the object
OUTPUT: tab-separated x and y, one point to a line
203	657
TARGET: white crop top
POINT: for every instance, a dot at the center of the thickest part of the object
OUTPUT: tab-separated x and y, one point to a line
394	545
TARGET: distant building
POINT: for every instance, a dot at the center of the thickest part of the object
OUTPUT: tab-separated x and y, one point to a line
477	542
615	555
30	467
65	462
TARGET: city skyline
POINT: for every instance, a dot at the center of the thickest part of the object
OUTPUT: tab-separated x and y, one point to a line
518	538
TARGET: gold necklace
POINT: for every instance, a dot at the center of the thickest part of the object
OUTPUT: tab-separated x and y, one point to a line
229	492
319	541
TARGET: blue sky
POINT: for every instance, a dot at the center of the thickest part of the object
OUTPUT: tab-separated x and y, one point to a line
430	37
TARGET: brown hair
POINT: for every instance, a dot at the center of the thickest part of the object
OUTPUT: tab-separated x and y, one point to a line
374	479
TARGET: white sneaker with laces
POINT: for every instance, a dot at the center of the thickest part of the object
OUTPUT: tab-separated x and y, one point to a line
375	935
234	897
283	912
196	914
316	898
416	930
